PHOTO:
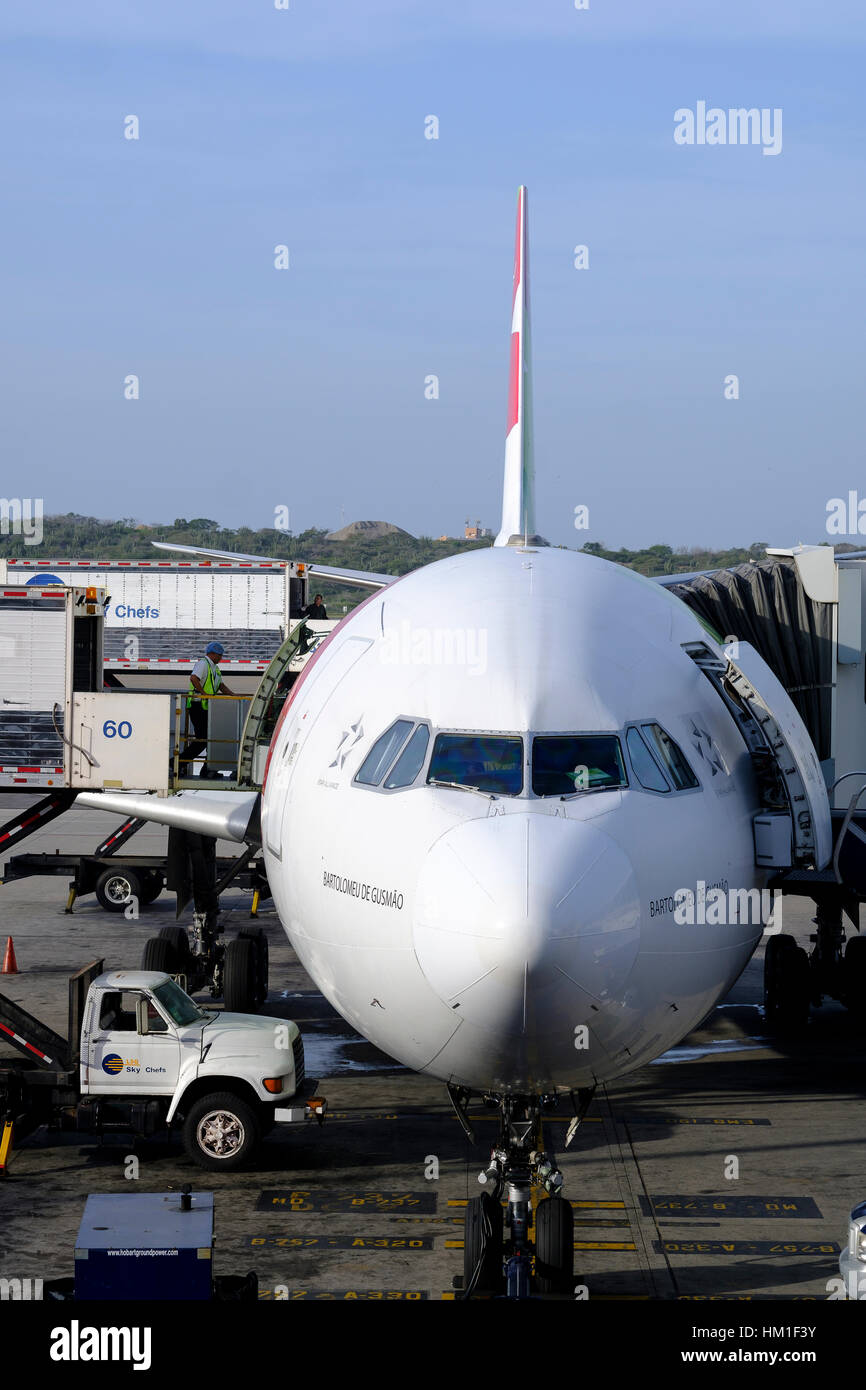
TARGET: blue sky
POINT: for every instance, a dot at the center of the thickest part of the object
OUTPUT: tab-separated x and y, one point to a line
305	387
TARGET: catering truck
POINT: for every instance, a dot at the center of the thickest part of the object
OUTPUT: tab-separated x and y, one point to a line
160	614
140	1055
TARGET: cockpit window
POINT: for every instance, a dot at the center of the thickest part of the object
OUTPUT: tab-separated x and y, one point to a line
646	769
410	761
383	753
659	763
488	762
672	756
572	763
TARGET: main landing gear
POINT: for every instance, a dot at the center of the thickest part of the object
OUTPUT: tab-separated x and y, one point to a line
794	979
498	1248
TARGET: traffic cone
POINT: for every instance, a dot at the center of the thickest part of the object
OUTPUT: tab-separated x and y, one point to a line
10	964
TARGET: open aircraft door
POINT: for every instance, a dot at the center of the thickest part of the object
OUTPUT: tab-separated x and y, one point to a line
786	763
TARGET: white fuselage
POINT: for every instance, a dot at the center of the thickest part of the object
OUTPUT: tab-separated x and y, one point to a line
514	943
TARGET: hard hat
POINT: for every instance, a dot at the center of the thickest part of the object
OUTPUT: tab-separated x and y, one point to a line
216	648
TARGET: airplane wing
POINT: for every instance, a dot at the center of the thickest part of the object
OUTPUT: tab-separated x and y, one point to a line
223	815
365	579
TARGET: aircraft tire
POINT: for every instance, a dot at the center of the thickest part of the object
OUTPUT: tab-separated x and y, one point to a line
151	887
854	976
554	1246
159	954
483	1231
787	984
260	944
180	946
240	977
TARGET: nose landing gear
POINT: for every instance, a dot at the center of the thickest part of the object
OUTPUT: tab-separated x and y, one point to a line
497	1252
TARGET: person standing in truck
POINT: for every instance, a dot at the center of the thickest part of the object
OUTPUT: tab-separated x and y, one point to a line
316	609
205	679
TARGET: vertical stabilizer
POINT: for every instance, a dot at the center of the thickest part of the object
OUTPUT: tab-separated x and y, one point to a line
518	491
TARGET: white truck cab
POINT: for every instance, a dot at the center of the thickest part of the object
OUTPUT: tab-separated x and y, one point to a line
227	1077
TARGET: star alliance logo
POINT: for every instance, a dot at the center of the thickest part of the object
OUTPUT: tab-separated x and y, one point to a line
705	748
349	738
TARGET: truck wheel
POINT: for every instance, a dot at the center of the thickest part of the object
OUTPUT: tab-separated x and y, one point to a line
220	1131
159	954
260	943
151	887
117	887
240	979
554	1246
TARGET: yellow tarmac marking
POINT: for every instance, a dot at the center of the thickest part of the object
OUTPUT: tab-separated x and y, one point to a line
578	1245
583	1206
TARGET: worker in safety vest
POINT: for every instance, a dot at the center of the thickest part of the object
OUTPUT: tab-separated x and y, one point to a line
205	679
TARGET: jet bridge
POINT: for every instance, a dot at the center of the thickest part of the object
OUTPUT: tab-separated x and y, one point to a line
784	608
804	612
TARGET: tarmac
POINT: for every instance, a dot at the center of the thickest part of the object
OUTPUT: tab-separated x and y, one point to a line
725	1170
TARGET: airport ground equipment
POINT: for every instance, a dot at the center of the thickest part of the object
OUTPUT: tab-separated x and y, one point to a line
125	882
118	878
160	614
141	1056
59	728
143	1246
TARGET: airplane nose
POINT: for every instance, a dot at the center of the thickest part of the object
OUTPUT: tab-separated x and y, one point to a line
526	923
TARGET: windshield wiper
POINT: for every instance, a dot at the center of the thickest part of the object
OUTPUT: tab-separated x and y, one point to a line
461	787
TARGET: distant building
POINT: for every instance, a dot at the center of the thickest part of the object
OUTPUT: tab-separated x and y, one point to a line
476	532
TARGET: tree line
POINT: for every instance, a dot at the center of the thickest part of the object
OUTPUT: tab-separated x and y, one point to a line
74	536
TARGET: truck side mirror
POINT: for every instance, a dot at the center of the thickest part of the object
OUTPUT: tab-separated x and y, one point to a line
141	1016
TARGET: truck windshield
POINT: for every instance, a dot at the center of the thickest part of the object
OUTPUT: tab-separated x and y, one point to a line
179	1007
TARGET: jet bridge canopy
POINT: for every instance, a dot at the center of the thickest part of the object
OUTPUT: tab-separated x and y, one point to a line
765	604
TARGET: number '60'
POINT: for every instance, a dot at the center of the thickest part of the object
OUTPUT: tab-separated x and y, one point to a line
121	730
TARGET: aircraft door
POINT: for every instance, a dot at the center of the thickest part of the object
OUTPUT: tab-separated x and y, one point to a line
776	736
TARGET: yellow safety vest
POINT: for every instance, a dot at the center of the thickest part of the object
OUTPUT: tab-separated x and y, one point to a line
212	683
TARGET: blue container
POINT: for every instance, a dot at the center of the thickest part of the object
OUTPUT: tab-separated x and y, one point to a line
142	1245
